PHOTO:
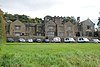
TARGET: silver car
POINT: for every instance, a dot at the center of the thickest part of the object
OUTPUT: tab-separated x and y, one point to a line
56	39
30	40
83	39
96	40
21	40
69	39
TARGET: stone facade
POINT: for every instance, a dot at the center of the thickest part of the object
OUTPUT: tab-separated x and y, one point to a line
69	29
29	29
52	27
87	28
17	28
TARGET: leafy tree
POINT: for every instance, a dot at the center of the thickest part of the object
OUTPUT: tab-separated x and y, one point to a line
2	29
38	20
22	18
71	19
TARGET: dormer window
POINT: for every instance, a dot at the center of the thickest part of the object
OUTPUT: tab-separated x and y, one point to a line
69	29
17	27
88	27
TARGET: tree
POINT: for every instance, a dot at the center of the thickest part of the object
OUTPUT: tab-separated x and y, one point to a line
2	29
37	20
22	18
71	19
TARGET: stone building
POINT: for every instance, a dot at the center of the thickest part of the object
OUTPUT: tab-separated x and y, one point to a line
39	29
29	29
52	27
59	26
87	28
17	28
55	26
69	29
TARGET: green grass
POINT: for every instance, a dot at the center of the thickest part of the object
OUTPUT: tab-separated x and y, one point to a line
50	55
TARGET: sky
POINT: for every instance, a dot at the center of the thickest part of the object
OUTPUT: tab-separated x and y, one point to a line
40	8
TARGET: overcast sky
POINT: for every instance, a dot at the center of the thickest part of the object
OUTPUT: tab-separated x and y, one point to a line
40	8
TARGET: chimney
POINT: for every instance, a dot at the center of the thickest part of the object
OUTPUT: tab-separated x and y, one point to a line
78	19
98	24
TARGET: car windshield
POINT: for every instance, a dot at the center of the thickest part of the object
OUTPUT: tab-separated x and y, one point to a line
67	38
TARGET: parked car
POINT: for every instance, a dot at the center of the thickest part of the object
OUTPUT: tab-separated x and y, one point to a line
83	39
30	40
69	39
56	39
95	41
46	40
37	40
10	40
21	40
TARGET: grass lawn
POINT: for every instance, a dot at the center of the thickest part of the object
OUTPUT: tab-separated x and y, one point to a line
50	55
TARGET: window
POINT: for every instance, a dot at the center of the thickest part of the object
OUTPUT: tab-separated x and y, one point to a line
39	28
17	33
78	34
88	33
88	27
50	33
69	28
81	39
17	27
22	34
61	34
67	38
27	34
51	28
69	33
38	34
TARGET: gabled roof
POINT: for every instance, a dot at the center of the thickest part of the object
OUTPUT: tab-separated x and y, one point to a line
51	22
87	20
17	21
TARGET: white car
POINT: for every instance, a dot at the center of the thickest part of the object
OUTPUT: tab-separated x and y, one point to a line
56	39
30	40
21	40
96	40
69	39
83	39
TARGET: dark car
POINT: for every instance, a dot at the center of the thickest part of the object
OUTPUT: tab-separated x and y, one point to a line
10	40
46	40
37	40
